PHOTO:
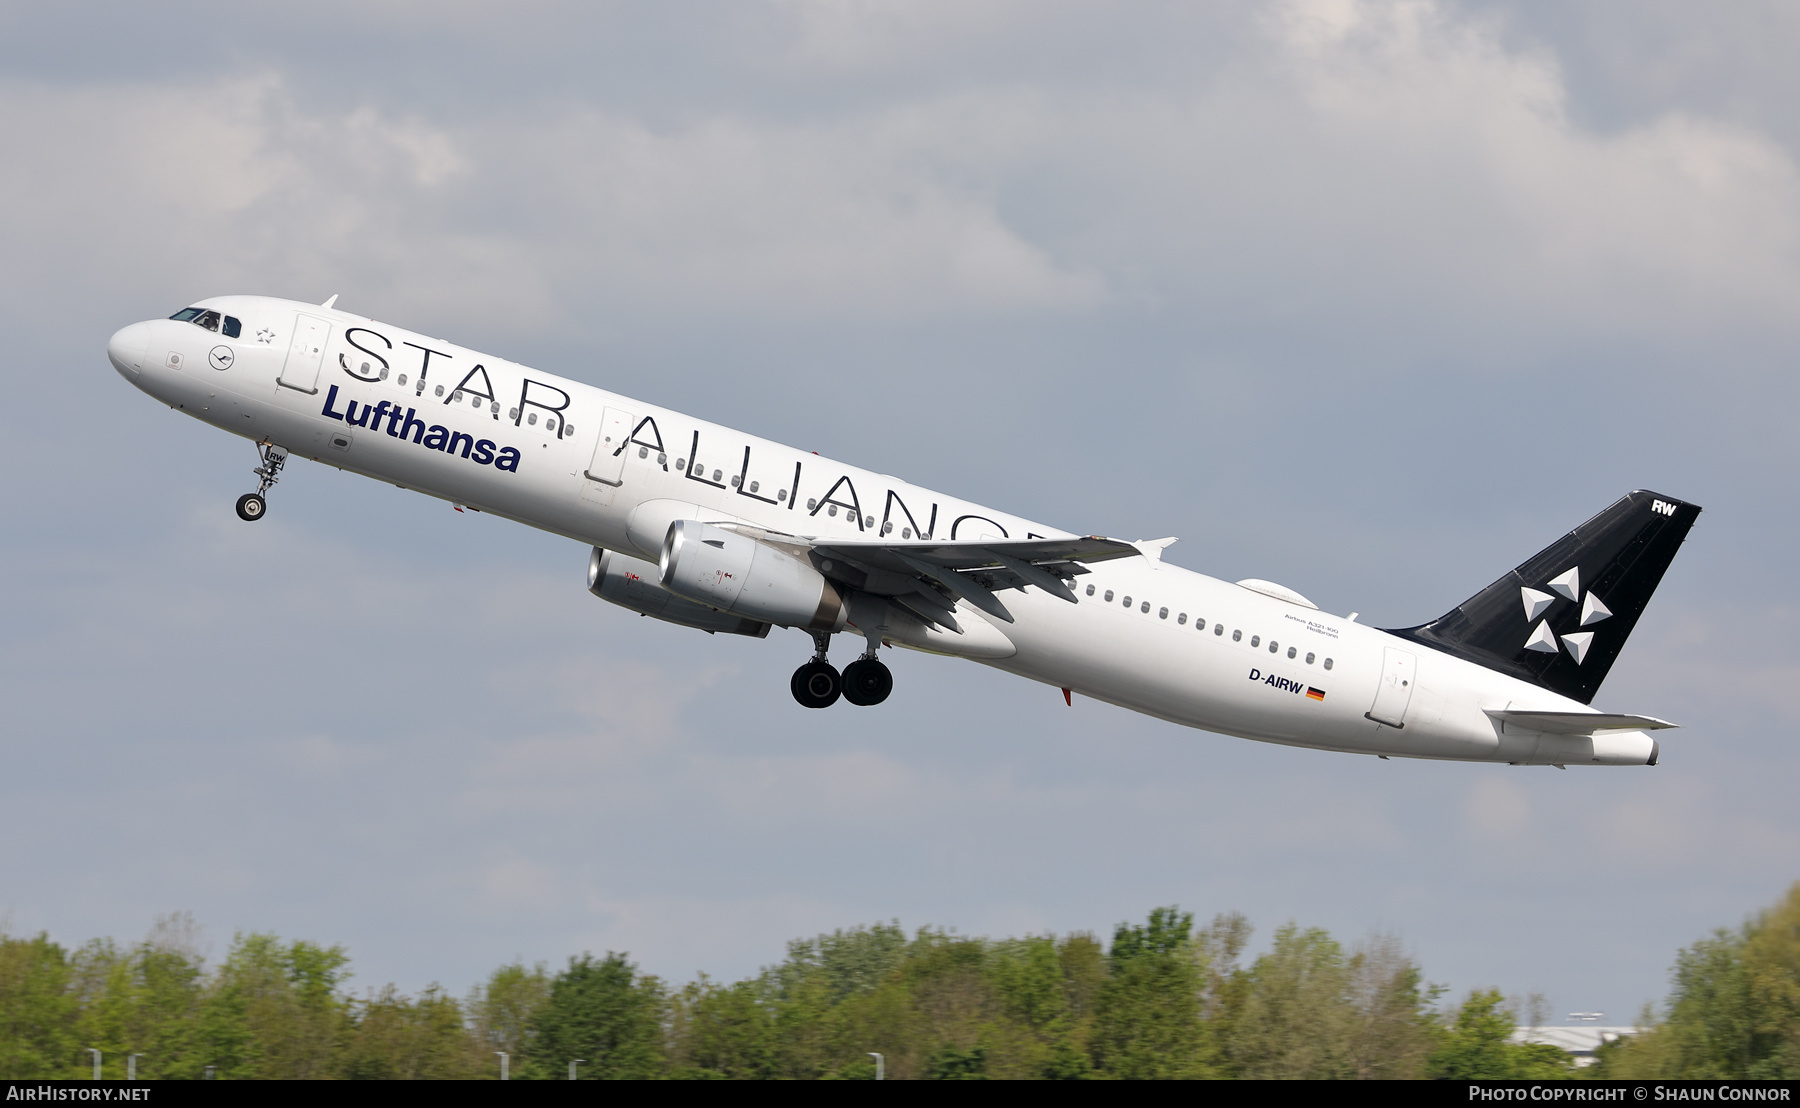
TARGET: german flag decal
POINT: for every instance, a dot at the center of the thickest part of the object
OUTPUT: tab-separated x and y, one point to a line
1314	694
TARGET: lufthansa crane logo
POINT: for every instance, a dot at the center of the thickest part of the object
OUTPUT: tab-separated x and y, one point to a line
220	357
1568	587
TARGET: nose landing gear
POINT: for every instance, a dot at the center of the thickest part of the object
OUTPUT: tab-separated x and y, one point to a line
252	506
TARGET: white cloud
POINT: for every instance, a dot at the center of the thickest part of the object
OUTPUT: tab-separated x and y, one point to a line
1359	166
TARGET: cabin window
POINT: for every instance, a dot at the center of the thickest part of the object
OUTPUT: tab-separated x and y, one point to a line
754	485
887	526
1274	646
717	475
832	511
493	408
734	477
1328	663
232	327
906	533
643	452
1145	607
186	315
868	521
661	459
439	391
1255	640
530	419
1090	590
402	379
812	505
1128	602
1237	636
1108	597
511	413
1309	657
1199	624
1291	652
383	377
455	397
1164	614
680	463
782	495
1218	628
1181	619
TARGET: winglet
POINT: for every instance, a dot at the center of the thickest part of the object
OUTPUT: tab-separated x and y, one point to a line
329	301
1153	548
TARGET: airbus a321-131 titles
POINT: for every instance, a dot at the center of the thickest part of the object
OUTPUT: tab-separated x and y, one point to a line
712	528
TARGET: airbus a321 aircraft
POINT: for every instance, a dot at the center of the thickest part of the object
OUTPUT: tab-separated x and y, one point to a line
712	528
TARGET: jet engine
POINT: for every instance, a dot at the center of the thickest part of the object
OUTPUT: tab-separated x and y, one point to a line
630	583
725	570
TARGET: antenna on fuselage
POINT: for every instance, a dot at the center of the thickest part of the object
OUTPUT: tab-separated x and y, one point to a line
332	299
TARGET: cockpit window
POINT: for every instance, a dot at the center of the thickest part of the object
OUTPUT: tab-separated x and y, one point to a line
208	320
232	327
186	315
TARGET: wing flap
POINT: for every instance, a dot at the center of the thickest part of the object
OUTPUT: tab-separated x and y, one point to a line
979	554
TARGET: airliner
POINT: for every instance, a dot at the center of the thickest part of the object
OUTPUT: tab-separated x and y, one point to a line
711	528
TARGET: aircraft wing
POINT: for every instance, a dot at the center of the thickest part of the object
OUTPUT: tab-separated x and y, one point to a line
928	578
1578	723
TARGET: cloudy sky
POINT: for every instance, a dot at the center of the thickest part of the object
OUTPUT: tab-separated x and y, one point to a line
1372	299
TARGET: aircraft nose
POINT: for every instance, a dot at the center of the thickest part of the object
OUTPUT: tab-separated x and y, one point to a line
126	348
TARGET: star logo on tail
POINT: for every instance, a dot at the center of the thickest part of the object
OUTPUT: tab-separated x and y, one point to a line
1566	586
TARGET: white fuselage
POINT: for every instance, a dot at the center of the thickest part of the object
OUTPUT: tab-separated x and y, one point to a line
1170	643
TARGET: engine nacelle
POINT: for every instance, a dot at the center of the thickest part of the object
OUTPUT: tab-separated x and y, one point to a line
630	583
725	570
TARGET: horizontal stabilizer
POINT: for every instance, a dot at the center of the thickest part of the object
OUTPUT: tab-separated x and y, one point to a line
1578	723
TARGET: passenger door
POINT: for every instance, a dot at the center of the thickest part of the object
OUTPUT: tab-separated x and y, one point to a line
1394	693
306	353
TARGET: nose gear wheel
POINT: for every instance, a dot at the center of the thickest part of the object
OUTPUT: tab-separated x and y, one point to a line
252	506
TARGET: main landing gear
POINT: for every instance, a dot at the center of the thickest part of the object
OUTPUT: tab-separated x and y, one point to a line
864	682
251	506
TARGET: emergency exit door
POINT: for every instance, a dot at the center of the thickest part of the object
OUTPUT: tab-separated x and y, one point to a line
608	464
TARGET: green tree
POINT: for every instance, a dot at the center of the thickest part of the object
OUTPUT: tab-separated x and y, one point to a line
1295	1019
1476	1046
1393	1028
394	1037
501	1010
1733	1011
1147	1023
725	1031
601	1012
274	1010
37	1010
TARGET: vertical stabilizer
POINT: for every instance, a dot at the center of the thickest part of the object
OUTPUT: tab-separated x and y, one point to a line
1560	619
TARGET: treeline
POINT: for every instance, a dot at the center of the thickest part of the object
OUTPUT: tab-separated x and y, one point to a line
1163	999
